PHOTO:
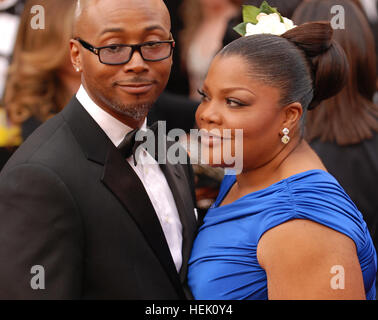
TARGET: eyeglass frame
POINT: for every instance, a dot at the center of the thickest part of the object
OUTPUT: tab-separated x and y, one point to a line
134	47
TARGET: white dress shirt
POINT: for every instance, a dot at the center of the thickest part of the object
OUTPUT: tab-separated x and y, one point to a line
149	173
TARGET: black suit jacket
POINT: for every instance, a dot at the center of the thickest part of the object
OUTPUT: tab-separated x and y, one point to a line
69	202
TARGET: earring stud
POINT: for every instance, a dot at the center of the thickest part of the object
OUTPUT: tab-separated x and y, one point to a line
285	139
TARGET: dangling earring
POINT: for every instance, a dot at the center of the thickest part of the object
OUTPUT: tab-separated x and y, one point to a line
77	69
285	139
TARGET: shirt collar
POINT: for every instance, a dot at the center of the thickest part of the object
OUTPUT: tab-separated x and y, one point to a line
113	128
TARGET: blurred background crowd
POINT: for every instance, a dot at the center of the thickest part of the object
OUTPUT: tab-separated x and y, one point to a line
37	80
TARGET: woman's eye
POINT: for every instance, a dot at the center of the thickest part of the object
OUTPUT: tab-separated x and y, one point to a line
234	103
203	95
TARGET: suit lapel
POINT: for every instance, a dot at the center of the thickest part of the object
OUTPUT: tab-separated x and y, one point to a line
121	179
123	182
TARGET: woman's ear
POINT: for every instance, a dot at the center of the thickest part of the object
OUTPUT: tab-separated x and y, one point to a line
292	114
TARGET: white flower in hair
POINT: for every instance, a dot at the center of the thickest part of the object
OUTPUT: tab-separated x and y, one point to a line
263	20
269	23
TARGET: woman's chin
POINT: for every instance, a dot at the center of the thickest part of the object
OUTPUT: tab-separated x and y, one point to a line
221	165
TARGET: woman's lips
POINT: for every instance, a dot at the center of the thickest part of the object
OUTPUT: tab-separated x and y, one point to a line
210	139
136	88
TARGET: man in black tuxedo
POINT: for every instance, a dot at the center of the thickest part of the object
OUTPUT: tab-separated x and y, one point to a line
78	218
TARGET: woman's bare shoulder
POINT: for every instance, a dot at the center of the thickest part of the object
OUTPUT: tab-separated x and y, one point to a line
299	256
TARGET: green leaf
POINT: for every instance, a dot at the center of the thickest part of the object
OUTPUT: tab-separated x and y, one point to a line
241	28
250	13
266	8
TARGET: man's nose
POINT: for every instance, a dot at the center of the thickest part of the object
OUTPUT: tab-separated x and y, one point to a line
136	64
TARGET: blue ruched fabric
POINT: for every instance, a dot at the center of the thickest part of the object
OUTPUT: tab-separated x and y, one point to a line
224	265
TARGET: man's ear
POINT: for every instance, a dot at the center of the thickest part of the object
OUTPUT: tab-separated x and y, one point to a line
292	114
75	55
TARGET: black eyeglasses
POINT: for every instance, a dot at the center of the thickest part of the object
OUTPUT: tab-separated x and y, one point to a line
117	54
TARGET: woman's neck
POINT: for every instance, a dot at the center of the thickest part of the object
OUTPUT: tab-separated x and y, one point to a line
295	158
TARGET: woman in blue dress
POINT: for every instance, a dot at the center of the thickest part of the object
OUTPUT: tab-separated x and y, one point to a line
282	228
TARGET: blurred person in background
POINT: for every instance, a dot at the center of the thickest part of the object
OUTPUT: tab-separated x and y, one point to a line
371	9
344	130
41	79
10	10
205	24
178	81
286	8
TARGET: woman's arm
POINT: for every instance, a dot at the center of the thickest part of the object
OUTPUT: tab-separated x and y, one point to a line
306	260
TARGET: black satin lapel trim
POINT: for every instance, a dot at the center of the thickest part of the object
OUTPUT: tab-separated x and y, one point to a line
91	138
121	179
175	179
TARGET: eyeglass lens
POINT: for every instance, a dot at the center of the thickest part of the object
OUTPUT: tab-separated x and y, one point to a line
119	54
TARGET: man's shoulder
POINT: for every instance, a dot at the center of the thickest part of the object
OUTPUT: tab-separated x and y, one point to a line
48	143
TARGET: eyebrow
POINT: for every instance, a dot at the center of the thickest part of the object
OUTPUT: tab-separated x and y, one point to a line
226	90
109	30
118	30
154	27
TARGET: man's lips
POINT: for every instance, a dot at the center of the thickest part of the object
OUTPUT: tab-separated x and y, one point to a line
136	88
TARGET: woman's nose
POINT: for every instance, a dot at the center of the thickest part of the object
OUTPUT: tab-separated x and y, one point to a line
209	114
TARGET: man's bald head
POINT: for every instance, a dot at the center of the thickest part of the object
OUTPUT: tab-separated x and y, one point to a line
83	6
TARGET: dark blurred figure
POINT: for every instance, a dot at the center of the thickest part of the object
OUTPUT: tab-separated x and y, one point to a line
285	7
176	109
344	130
178	82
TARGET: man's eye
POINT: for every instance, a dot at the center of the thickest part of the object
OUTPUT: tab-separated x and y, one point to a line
113	49
153	45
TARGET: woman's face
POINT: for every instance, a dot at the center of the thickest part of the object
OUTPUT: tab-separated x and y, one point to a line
232	99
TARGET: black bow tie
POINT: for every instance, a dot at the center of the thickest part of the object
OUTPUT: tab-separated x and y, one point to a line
129	145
